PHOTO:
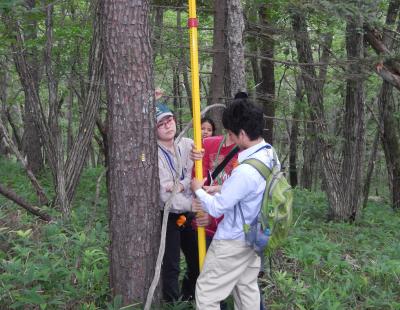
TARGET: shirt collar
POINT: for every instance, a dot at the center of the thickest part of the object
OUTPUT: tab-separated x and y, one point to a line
247	152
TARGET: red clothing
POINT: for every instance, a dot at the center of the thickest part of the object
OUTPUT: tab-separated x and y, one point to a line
211	160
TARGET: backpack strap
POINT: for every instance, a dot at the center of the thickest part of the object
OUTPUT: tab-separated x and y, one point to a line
222	165
259	166
265	172
245	226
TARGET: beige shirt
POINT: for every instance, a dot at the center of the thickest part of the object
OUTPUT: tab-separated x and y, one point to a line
167	169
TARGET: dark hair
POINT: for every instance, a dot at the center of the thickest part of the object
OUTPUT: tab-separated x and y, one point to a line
241	95
243	114
209	120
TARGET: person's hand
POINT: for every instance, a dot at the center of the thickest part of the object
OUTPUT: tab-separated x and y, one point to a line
202	219
170	186
196	154
196	206
197	184
212	189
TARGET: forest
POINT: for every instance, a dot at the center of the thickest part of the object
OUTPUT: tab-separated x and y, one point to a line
79	187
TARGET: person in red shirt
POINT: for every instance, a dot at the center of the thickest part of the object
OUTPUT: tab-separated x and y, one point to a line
207	127
215	150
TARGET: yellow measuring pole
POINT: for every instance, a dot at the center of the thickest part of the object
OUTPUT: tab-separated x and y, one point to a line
194	62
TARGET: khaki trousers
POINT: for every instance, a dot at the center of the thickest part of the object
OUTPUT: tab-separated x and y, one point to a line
230	266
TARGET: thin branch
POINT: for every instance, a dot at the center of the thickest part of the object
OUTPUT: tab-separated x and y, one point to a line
10	194
35	183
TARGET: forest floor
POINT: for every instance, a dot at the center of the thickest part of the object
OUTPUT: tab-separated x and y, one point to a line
323	265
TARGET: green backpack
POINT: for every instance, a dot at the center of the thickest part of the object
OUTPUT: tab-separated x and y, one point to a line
271	227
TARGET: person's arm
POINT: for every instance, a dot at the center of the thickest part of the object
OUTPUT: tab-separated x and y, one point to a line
242	182
180	200
187	163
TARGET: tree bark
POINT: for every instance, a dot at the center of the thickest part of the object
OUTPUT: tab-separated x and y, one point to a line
32	144
313	88
310	151
294	133
371	166
235	78
79	152
4	151
266	93
390	142
157	32
217	82
388	68
354	135
183	64
133	186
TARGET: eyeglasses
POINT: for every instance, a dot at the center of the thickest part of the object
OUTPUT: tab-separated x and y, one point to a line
166	123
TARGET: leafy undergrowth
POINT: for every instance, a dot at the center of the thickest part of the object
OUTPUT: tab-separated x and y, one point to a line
59	265
328	265
324	265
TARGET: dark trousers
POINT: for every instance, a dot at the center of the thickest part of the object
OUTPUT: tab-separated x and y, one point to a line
180	238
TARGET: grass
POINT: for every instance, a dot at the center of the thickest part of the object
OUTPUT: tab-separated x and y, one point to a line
323	265
328	265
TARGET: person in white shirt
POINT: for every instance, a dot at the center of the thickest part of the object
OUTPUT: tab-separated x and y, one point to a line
230	265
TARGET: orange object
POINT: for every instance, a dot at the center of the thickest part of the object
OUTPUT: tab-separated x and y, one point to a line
181	220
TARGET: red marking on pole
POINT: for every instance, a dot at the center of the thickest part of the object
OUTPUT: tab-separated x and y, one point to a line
193	23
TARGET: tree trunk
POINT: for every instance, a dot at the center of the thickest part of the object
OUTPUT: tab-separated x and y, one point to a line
390	141
384	44
294	133
217	83
32	144
313	88
4	151
70	102
79	152
133	186
354	131
310	150
266	93
371	166
157	32
235	78
184	67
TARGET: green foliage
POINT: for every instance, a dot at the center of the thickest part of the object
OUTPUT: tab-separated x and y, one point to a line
323	265
328	265
62	264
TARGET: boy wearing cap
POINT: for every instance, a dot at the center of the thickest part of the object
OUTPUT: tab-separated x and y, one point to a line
180	235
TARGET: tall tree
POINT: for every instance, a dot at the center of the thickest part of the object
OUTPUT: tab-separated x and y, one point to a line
385	45
32	144
266	90
3	103
66	172
313	84
354	135
133	186
235	78
294	133
343	205
217	82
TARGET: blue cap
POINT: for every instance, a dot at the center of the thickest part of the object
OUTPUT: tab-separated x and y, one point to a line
162	111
